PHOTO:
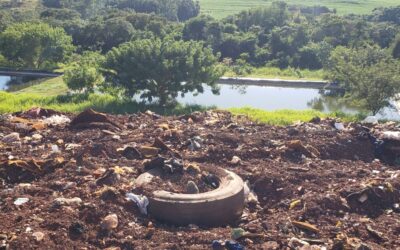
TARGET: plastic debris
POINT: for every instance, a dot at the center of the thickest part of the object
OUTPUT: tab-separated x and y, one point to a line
249	195
57	120
305	225
141	201
237	233
233	245
66	201
21	201
211	180
391	135
339	126
195	143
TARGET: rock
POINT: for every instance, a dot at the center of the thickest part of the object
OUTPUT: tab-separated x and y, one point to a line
110	177
38	236
235	160
270	245
89	117
192	188
21	201
110	222
11	138
67	201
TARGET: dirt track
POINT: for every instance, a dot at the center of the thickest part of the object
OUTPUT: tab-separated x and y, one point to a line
329	179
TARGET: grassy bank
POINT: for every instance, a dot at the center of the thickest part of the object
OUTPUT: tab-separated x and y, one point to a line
47	87
287	74
223	8
10	103
287	117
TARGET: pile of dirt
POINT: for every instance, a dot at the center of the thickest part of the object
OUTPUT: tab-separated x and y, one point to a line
64	180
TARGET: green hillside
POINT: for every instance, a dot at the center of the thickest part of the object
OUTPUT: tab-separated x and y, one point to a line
223	8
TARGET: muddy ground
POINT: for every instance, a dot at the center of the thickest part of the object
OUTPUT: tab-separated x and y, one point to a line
329	179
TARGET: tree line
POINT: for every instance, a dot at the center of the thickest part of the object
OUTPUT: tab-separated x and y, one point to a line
97	41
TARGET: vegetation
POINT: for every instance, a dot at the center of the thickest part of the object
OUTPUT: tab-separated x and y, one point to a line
223	8
161	68
288	117
369	75
35	45
158	49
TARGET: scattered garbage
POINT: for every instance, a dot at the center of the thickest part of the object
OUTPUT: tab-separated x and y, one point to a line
249	195
235	160
339	126
211	179
67	201
195	143
306	226
38	236
141	201
57	120
21	201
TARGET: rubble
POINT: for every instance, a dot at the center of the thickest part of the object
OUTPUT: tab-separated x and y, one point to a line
308	185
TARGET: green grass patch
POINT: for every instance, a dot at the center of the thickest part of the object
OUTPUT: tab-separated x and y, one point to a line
222	8
45	87
10	103
286	74
288	117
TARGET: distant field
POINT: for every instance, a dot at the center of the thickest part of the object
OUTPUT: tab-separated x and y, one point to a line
223	8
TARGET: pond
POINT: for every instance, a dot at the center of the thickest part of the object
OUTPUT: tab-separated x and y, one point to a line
10	84
275	98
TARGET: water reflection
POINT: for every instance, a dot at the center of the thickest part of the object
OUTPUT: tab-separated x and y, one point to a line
270	98
12	84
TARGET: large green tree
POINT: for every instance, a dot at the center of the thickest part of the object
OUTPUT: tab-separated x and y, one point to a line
369	75
162	69
35	45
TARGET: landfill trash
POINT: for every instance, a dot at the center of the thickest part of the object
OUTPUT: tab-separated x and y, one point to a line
195	143
391	135
149	151
76	229
237	233
233	245
57	120
306	226
218	245
67	201
339	126
370	120
173	165
110	222
21	201
141	201
55	149
249	196
235	160
37	137
110	177
11	138
38	112
296	243
192	188
308	150
38	236
211	180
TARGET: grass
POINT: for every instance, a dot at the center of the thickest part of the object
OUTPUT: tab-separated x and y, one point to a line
47	87
288	117
287	74
222	8
11	102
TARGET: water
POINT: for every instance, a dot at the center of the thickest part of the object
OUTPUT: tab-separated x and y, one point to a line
268	98
276	98
4	80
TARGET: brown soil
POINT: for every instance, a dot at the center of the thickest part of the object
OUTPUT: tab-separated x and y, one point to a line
328	179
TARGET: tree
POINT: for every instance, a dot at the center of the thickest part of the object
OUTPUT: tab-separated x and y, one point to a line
396	48
368	75
35	45
161	68
84	74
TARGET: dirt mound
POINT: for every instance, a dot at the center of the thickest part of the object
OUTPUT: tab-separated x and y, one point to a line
312	184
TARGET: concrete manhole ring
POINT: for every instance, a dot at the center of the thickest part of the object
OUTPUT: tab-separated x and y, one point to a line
220	206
